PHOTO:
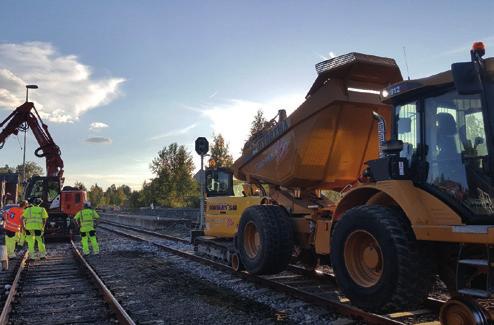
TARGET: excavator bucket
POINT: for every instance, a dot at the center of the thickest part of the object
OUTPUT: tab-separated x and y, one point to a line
326	141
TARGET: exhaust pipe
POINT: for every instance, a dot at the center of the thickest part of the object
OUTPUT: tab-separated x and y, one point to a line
381	132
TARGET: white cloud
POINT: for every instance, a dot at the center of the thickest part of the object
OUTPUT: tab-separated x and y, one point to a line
232	118
97	126
173	133
66	86
98	140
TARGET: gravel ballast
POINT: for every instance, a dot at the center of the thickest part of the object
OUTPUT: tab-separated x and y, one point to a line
159	287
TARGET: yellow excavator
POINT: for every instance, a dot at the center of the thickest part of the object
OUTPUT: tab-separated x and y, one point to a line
412	165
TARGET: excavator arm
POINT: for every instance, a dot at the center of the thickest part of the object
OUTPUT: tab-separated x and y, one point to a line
17	121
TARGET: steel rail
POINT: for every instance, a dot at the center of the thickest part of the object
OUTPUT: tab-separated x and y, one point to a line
432	303
341	308
122	315
7	307
149	232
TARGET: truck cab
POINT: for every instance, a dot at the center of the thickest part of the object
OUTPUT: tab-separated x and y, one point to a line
445	125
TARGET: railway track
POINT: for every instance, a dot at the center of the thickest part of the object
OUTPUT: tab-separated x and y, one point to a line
61	289
315	288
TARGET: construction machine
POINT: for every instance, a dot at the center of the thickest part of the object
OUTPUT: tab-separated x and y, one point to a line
411	162
62	203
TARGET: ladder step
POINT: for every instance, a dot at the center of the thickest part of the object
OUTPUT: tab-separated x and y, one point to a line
474	262
475	293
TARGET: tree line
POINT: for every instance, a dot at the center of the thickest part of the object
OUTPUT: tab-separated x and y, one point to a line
173	183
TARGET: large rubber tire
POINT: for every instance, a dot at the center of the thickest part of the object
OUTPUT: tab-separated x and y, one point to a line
405	273
274	242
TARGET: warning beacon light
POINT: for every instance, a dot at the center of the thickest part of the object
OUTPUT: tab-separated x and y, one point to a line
478	49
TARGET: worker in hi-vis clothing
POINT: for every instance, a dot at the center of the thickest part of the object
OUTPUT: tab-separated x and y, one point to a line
34	220
86	219
12	223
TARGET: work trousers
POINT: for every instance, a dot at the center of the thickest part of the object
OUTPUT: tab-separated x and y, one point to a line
32	237
87	236
10	241
21	238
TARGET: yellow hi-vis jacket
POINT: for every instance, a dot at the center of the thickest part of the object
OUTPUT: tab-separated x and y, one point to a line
34	217
86	218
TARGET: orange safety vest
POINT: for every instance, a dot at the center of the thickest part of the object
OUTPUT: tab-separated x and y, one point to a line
13	219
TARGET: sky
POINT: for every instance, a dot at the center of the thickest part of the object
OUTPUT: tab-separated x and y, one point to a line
119	80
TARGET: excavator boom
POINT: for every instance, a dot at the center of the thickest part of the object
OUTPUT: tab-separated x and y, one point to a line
26	114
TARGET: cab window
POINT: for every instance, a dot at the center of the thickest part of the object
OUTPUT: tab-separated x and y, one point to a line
37	189
219	183
408	124
53	190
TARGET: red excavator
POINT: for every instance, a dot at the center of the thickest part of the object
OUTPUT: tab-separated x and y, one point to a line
61	203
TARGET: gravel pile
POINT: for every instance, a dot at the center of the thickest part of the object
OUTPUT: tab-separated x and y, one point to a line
164	288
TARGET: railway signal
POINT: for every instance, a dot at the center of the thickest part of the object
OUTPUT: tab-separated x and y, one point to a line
202	148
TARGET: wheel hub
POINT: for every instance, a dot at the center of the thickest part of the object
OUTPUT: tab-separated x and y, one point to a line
462	311
363	258
371	257
252	240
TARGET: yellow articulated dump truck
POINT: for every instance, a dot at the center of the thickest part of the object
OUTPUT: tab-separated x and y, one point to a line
412	162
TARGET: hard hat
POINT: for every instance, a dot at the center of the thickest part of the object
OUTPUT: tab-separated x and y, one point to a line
87	204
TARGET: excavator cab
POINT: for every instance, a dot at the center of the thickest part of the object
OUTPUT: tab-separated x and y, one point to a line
46	188
61	203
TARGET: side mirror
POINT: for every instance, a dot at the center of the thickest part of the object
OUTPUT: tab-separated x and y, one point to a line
466	78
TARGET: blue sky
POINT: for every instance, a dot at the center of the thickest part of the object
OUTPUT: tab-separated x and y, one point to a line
150	73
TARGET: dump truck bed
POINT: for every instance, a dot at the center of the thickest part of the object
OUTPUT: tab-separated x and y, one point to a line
326	141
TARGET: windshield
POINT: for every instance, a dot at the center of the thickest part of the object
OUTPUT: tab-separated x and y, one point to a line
36	190
456	150
219	183
448	131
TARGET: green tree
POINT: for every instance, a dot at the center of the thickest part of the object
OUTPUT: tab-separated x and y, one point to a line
7	169
258	124
96	195
256	129
123	194
80	186
111	195
220	152
32	169
174	185
135	199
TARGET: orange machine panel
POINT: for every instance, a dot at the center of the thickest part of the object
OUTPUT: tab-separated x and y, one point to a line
72	201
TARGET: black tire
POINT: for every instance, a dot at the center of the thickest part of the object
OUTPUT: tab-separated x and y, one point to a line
405	276
275	233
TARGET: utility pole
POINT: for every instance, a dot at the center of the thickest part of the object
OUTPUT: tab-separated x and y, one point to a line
25	128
